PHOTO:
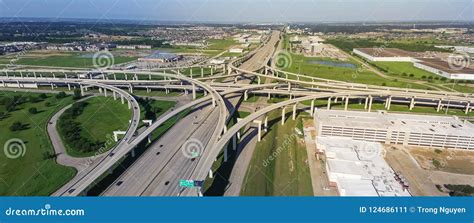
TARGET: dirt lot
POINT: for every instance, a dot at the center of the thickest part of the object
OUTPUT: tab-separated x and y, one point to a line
417	165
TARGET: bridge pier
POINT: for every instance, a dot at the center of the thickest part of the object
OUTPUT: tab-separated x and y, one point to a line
194	91
370	103
210	174
246	95
105	92
265	124
259	127
234	142
82	89
312	108
468	106
366	103
346	104
329	103
294	112
202	72
130	88
439	105
115	95
122	99
283	116
412	103
52	86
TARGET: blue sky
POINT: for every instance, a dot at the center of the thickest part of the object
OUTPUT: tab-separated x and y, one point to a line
244	10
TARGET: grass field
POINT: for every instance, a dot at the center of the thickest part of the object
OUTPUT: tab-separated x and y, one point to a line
33	174
100	118
407	70
300	64
278	166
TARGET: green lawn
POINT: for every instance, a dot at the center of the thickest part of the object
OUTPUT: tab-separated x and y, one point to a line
157	93
278	166
100	118
300	64
34	174
68	60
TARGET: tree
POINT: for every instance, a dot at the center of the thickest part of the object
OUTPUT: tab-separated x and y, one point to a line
61	94
17	126
77	94
33	110
47	104
43	96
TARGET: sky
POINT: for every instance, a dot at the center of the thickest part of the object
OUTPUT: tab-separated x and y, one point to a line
245	10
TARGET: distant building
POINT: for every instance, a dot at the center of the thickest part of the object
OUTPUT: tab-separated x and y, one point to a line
385	54
444	69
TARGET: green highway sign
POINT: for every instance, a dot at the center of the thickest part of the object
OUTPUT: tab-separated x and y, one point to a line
186	183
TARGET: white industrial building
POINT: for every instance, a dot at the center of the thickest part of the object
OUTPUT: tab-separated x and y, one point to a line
406	129
357	168
385	54
443	69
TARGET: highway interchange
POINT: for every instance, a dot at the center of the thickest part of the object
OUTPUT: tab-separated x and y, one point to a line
158	170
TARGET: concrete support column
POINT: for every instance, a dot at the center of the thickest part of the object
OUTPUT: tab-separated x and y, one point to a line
82	89
129	104
130	88
133	152
294	111
269	96
234	142
412	103
52	86
468	106
202	72
122	99
259	80
210	174
329	103
289	86
283	116
226	155
149	138
346	104
370	103
115	95
439	105
265	124
366	103
194	91
115	76
212	71
100	90
259	127
246	95
389	103
68	87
